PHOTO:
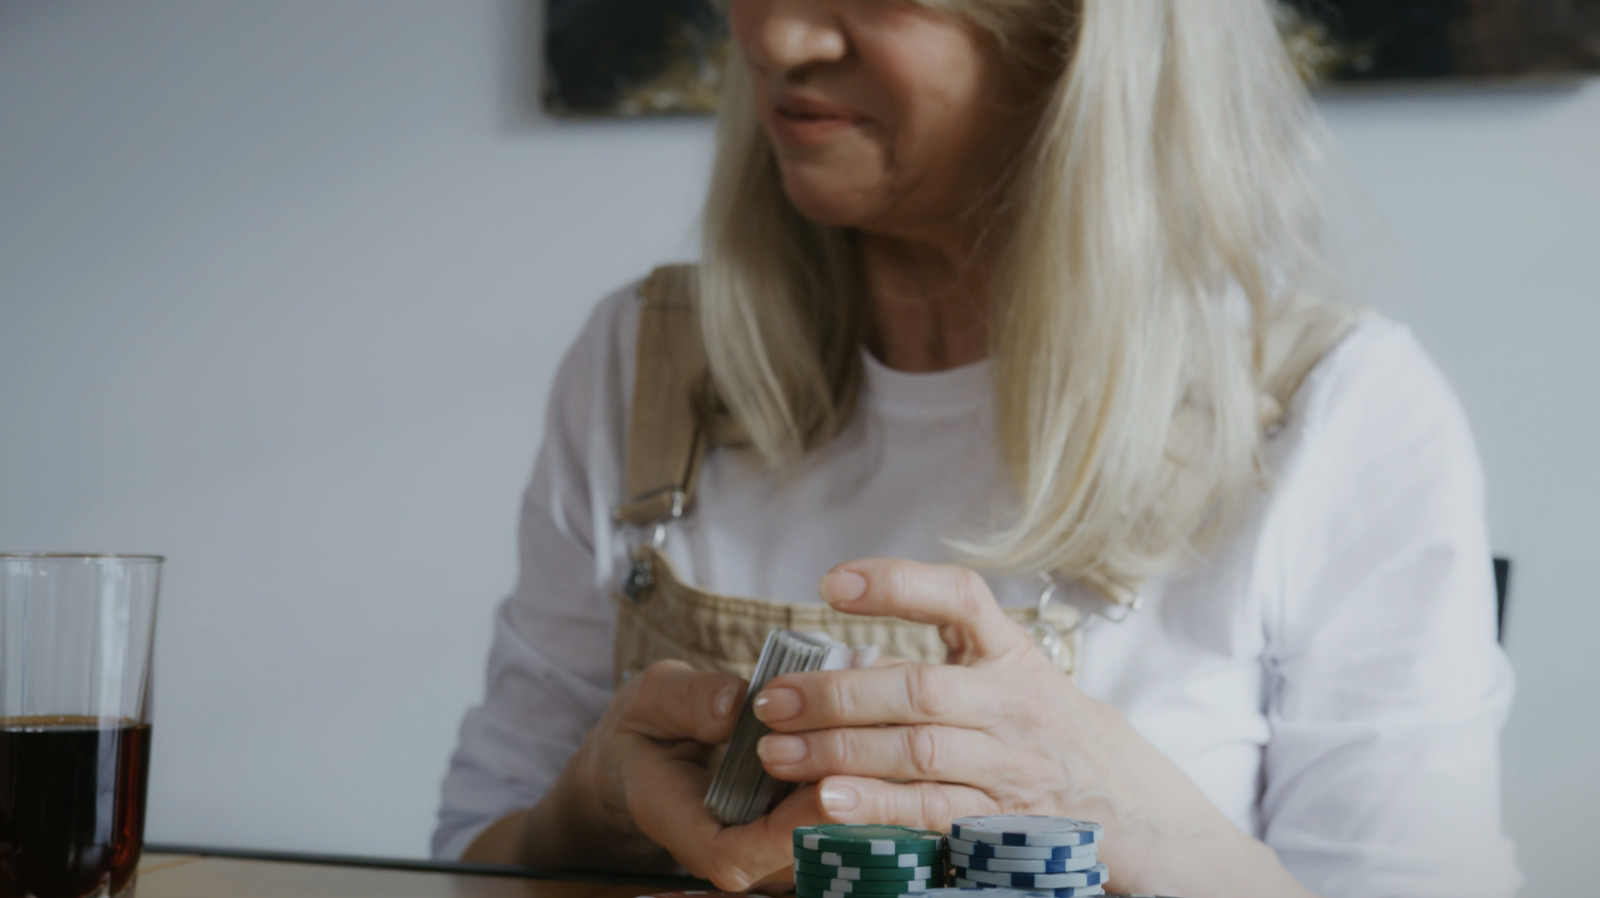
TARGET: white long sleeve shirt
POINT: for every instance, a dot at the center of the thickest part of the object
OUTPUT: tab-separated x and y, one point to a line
1330	678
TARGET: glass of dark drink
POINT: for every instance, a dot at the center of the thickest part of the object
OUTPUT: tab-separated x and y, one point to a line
76	634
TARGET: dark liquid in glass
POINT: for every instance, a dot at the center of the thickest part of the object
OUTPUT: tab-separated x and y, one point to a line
71	805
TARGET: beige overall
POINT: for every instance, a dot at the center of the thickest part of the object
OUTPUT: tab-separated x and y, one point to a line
661	617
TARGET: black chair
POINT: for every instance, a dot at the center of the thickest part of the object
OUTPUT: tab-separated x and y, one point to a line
1502	585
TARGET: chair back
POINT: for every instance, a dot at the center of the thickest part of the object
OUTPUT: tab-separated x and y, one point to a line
1502	585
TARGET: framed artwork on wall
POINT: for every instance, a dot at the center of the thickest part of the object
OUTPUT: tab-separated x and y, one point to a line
1376	42
633	57
653	57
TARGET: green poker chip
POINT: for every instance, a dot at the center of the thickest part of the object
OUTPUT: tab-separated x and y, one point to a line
869	874
931	857
868	838
865	886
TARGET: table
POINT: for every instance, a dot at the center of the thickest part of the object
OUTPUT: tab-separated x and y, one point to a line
172	875
169	872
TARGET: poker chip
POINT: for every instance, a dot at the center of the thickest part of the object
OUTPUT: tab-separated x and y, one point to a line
966	892
812	889
868	838
1019	829
869	874
864	886
1010	865
1045	857
1083	892
1019	852
860	860
1032	881
837	859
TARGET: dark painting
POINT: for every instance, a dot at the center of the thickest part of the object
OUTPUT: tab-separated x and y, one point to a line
633	57
640	57
1374	41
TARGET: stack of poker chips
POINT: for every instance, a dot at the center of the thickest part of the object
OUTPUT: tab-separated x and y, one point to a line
844	860
1042	855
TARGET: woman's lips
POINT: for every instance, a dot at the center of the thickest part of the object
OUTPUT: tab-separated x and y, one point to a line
800	120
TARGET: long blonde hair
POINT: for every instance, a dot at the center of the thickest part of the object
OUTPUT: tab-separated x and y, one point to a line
1160	222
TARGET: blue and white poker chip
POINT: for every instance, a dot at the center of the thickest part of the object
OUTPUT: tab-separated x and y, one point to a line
1021	852
1022	829
1093	876
1084	892
1011	865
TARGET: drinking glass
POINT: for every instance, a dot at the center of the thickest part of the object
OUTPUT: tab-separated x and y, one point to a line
76	634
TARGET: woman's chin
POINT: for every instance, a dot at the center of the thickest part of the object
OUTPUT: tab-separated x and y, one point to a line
829	208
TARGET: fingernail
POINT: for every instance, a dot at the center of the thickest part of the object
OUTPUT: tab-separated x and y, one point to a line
846	586
837	798
780	749
776	705
722	703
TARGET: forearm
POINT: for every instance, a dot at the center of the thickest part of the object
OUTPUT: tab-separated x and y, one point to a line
1164	835
565	832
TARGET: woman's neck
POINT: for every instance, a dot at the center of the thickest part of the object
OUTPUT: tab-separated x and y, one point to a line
929	308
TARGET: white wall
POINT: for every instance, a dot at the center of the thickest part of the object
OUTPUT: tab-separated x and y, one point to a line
282	286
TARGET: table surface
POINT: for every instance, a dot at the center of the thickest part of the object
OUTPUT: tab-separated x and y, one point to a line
171	875
195	876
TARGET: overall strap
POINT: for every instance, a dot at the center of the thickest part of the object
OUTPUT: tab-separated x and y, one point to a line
665	439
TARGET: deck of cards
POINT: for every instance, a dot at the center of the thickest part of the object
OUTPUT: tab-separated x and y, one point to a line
742	790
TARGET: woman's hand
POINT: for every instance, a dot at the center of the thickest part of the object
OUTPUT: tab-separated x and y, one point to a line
639	781
998	729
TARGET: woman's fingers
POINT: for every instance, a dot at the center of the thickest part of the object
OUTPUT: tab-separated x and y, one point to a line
849	799
764	848
923	752
954	599
674	701
666	796
902	693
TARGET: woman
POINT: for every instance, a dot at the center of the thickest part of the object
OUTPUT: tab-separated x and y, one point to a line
1025	287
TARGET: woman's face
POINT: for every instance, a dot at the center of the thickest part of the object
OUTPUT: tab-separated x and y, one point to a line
885	116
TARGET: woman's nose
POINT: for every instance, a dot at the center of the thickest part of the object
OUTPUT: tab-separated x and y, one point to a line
783	36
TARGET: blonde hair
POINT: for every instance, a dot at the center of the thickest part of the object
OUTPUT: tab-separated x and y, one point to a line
1160	221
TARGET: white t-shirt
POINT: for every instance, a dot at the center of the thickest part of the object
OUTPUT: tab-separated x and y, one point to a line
1330	678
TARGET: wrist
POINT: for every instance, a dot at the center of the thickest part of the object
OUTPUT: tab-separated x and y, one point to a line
573	827
566	823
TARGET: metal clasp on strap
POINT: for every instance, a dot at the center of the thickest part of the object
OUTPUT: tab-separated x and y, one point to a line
1051	638
1049	634
1123	610
641	575
665	504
